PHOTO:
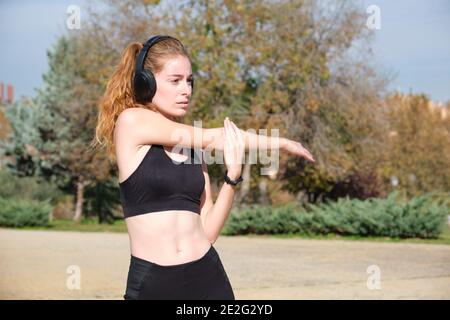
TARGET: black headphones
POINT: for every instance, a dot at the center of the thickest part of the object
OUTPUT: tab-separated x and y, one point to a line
144	83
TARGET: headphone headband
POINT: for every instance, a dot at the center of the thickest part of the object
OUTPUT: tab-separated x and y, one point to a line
144	51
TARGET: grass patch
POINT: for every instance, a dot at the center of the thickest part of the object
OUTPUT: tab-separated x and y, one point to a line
444	238
91	225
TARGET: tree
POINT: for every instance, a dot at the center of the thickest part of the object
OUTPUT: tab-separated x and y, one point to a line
56	127
282	65
285	65
21	141
418	145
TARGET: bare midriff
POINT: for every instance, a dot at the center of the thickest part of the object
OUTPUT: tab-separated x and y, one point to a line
167	237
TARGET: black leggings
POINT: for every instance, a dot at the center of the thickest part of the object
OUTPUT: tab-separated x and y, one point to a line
200	279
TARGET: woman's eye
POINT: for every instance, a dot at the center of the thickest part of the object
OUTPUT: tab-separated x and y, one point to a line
177	80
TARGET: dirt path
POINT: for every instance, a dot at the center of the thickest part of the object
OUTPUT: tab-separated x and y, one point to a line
34	265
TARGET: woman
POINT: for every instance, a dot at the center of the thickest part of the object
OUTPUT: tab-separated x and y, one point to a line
166	197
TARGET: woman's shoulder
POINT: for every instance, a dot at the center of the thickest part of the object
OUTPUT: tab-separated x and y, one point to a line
134	113
134	118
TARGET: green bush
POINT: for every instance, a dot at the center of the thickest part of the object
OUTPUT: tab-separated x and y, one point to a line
420	217
30	188
20	213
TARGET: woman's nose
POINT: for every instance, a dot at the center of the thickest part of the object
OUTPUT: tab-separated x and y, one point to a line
187	88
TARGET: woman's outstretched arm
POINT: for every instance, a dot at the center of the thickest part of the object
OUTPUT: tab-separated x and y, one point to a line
142	126
254	141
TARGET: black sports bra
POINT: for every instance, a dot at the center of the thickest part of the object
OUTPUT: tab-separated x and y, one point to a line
160	183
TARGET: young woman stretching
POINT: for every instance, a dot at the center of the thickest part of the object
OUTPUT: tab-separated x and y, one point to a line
171	219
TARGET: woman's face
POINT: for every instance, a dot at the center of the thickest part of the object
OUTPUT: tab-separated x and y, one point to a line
173	87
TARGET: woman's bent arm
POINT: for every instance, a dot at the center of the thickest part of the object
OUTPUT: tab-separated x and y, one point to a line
216	216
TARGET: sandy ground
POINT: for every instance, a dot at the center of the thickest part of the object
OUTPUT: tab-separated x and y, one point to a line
44	265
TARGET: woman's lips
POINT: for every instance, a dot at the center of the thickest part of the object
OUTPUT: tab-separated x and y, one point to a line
183	105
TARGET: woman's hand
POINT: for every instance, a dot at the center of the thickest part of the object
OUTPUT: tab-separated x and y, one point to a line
234	149
296	148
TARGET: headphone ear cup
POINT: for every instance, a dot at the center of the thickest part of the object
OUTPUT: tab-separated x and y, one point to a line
144	86
151	84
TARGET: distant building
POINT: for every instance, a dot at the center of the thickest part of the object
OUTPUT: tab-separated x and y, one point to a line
6	97
9	96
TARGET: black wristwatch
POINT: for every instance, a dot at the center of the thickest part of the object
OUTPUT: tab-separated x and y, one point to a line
232	182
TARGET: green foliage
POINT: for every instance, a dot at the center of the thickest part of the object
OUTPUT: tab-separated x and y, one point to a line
26	201
23	139
29	188
420	217
102	201
16	212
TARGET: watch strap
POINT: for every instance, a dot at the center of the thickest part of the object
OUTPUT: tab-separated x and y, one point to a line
232	182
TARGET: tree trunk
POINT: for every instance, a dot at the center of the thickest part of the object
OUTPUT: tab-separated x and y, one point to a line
80	200
301	197
263	198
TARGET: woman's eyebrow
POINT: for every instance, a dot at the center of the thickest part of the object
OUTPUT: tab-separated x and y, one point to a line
178	75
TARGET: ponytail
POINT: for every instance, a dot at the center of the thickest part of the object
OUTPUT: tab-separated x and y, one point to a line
118	97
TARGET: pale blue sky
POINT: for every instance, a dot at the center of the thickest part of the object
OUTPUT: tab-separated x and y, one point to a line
414	42
28	29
